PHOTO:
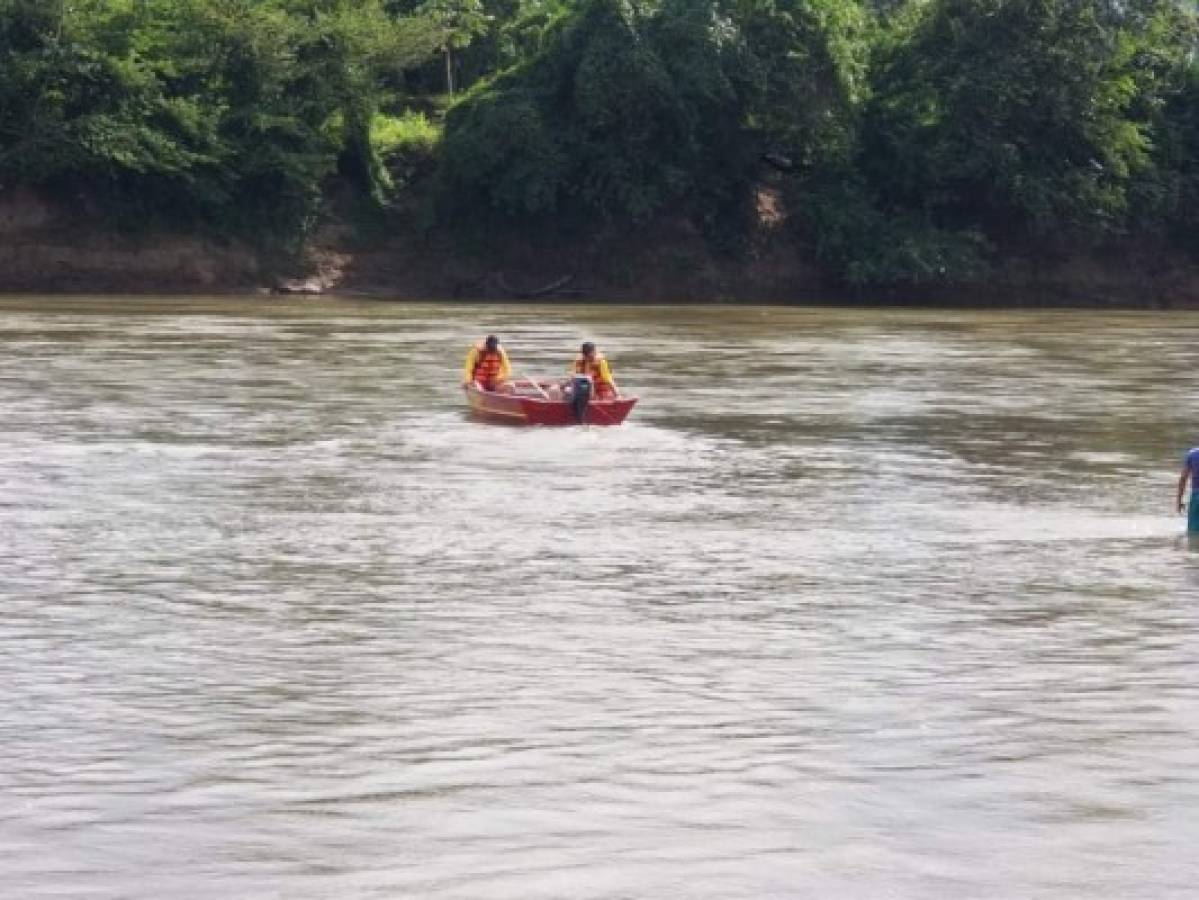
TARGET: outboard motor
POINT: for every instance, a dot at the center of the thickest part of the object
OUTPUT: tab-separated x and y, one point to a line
580	396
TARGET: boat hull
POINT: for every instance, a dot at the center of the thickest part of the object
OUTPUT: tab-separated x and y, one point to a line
526	408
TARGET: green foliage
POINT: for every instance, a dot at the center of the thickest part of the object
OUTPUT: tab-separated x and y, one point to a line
603	123
407	145
222	114
865	246
458	21
1180	151
621	113
999	122
412	131
1166	197
498	150
807	60
525	33
1014	115
914	141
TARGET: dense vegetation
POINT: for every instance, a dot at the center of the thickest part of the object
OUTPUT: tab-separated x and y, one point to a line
912	140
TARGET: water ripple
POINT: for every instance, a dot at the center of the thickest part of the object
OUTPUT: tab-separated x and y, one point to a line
859	604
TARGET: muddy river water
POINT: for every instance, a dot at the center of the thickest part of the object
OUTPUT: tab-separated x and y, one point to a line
859	604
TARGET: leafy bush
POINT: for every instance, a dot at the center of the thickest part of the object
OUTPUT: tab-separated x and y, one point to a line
408	146
601	124
916	138
218	114
861	245
498	150
1015	116
408	132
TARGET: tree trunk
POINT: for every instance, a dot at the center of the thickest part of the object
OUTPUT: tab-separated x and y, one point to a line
449	70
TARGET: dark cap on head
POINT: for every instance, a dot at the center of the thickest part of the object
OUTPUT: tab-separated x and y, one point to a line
588	348
491	342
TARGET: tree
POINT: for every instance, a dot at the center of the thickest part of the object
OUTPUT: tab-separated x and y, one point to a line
630	112
346	50
1014	115
460	22
1168	197
990	124
200	111
807	62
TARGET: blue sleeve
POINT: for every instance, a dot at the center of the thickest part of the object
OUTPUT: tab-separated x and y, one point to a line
1192	461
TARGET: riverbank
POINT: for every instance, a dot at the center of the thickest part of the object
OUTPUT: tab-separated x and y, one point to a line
45	248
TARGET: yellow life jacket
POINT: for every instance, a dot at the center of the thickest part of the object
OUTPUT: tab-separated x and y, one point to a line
592	367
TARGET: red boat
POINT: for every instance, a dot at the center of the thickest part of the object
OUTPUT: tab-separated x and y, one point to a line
530	402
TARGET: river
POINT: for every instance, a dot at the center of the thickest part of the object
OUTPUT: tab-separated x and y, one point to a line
859	604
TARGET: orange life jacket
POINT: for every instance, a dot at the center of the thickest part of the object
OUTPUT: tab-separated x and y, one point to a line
488	365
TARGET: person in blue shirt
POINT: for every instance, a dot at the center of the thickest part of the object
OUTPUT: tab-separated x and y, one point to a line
1190	472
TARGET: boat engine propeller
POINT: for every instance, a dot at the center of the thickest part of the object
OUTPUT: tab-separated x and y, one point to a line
580	396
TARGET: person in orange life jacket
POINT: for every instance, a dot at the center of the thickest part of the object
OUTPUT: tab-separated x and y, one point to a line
487	364
591	362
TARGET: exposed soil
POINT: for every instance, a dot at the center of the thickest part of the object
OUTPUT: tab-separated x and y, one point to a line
45	248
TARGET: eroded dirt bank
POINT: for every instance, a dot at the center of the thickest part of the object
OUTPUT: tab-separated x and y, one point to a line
48	248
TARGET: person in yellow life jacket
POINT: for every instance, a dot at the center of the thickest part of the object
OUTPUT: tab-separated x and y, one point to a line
591	362
487	363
